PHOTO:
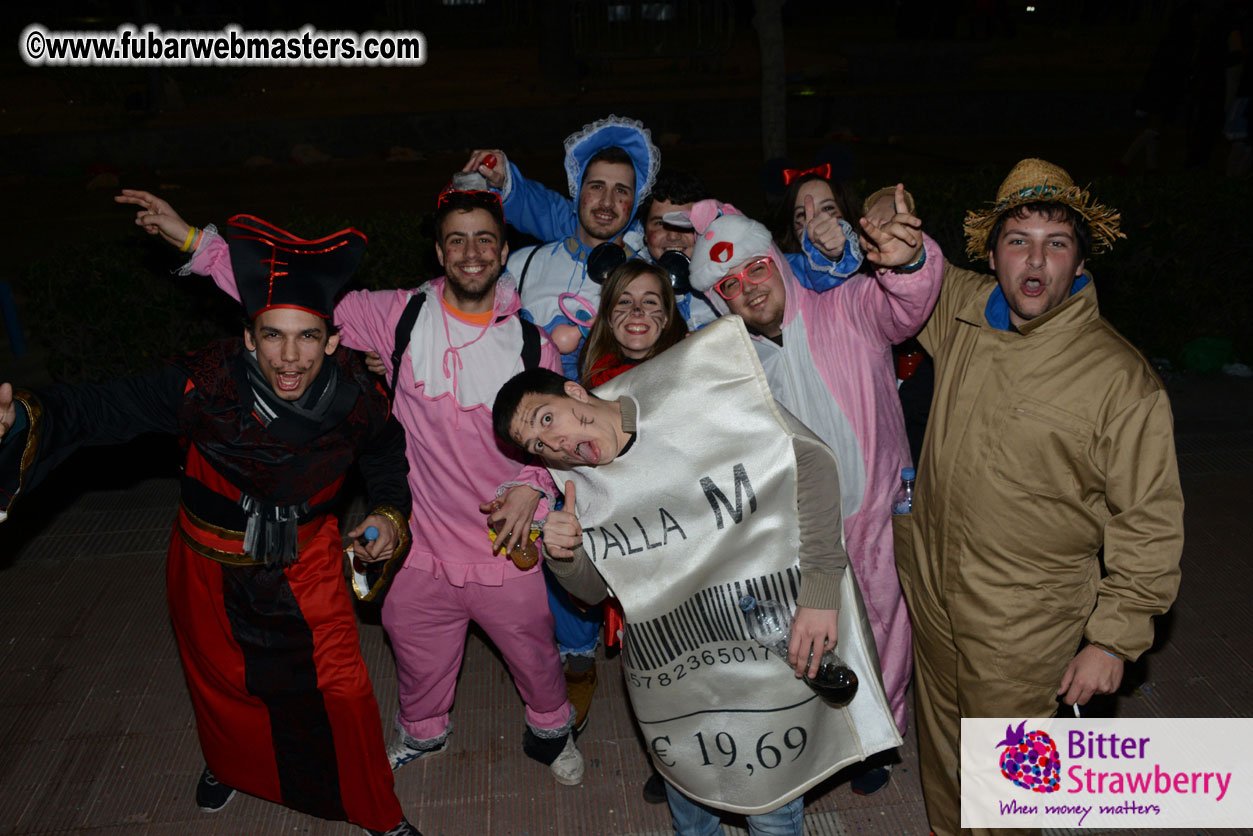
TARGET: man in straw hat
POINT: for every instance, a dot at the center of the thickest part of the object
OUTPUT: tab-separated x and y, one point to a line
1050	439
271	422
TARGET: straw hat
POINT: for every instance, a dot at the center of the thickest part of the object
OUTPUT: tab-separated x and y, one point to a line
1034	180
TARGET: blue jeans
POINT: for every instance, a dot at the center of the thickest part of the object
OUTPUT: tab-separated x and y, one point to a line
692	819
577	631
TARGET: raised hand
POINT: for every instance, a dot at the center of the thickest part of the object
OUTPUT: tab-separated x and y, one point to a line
824	230
490	162
562	532
156	216
897	241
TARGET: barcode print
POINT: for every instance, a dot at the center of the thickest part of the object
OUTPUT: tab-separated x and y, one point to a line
711	616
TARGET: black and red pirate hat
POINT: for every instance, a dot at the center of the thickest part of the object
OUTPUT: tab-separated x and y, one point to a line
275	269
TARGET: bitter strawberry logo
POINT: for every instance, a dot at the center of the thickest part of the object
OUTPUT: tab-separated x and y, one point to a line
1030	759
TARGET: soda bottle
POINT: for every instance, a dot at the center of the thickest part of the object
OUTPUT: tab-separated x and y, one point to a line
770	623
904	501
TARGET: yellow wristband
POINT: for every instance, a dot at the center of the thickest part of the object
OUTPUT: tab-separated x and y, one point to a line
191	232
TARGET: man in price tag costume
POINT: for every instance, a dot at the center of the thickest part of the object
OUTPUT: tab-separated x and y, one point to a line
685	498
265	626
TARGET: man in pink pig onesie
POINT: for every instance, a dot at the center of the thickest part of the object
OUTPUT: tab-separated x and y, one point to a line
828	360
465	342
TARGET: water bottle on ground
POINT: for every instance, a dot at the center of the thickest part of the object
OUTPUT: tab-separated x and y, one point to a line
770	623
903	503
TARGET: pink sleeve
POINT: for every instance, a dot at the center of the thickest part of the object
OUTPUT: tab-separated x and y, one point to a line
895	305
213	258
367	320
537	476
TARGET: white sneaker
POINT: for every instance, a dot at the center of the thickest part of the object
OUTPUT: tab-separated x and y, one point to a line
404	749
568	767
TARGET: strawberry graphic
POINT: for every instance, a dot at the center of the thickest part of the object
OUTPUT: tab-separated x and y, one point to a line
1030	759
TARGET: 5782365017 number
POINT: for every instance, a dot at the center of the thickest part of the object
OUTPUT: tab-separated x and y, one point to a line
694	662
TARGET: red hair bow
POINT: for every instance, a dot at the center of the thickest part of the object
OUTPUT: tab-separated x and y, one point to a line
791	175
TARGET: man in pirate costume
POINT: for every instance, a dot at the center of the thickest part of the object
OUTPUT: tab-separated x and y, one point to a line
1050	440
265	626
753	509
453	342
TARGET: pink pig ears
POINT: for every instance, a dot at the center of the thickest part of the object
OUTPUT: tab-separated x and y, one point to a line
703	213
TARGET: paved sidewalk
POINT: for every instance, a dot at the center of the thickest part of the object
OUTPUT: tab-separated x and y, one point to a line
97	735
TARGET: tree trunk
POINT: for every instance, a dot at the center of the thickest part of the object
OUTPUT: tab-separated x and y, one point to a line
768	21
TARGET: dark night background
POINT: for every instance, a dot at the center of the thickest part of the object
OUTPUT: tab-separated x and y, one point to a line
943	95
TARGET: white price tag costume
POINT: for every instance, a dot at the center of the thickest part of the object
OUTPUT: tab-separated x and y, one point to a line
701	510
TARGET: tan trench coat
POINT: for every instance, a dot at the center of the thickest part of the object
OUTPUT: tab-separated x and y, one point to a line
1043	447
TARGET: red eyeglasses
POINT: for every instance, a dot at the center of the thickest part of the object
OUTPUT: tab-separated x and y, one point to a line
756	272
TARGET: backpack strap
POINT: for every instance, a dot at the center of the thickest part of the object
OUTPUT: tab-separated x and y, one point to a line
530	341
404	332
530	344
530	331
526	267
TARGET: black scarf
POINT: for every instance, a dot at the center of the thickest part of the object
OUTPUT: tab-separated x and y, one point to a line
271	535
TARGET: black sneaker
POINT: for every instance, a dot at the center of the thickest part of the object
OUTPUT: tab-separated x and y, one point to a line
211	794
402	829
655	789
870	781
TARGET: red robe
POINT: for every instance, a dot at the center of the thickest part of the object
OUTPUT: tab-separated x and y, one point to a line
284	705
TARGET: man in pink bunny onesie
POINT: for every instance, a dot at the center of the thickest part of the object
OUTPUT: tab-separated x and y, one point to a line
828	360
466	341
